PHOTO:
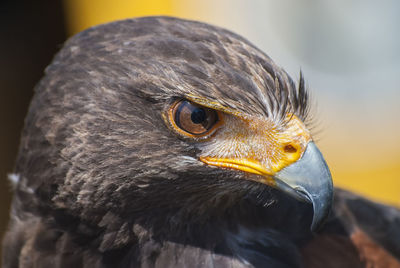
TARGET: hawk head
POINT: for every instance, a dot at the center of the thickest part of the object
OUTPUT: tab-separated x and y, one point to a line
168	122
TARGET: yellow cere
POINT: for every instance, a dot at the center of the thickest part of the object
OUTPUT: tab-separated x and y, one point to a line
256	145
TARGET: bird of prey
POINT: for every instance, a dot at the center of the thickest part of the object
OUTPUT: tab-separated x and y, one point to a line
161	142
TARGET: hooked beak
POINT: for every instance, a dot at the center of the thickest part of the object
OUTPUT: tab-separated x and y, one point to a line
287	159
309	179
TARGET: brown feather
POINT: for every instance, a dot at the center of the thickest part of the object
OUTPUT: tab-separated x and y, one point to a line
359	233
373	254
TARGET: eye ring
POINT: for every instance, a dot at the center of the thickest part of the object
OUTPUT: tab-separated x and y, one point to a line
193	120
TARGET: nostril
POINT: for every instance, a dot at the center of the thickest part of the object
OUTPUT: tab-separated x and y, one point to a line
290	149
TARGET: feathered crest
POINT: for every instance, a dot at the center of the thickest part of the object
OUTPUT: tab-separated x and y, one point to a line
285	98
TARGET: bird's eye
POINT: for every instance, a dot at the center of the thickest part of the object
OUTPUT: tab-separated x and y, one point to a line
194	119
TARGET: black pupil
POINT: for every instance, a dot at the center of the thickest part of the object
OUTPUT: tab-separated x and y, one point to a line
198	115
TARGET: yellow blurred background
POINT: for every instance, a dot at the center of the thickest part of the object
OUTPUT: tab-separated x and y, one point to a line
347	49
358	128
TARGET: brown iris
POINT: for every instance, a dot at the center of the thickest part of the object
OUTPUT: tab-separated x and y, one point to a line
194	119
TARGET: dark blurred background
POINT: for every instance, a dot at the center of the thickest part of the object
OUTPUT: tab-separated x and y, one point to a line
30	33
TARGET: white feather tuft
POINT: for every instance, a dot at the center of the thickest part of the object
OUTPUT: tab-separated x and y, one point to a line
14	179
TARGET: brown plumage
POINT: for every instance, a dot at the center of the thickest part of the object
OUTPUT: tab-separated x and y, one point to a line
106	178
359	233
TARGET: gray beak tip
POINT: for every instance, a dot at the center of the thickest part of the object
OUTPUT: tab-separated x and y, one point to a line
321	208
309	180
